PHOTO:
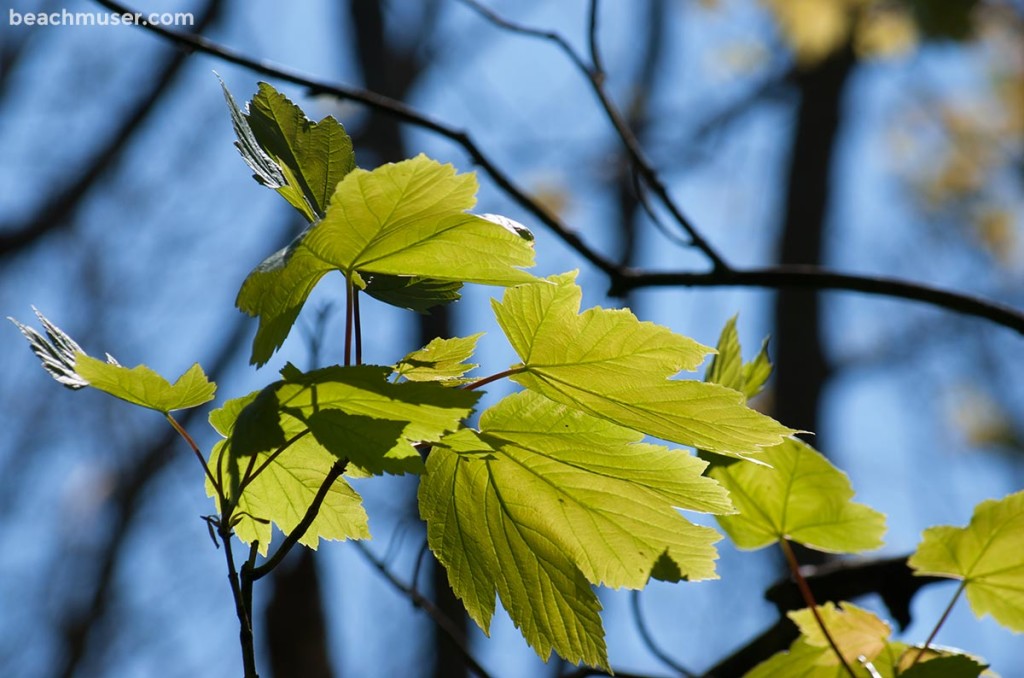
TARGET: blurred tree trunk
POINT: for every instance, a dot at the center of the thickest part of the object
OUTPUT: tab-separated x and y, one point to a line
802	368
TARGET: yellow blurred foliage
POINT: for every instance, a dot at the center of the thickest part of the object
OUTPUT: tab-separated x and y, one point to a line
884	32
813	28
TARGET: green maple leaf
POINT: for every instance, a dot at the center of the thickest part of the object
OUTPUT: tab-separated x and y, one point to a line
301	159
282	492
441	360
863	639
69	365
987	555
405	219
545	500
355	413
411	292
608	363
799	496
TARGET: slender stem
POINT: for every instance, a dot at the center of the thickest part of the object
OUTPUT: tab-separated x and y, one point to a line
300	530
348	321
418	600
199	455
358	326
595	52
938	625
493	377
805	591
241	610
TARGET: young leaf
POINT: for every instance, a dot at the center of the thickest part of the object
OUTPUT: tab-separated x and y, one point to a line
69	365
142	386
727	367
301	159
440	360
317	154
565	496
611	365
863	638
799	496
857	632
282	492
406	218
987	555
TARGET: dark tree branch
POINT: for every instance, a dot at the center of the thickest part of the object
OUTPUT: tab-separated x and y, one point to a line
622	280
813	277
57	210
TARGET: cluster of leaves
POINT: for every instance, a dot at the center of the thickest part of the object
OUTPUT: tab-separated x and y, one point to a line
555	489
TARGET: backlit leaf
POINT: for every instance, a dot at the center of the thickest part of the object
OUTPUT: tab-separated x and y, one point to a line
546	498
799	496
142	386
608	363
404	219
301	159
857	632
987	555
410	292
440	360
284	490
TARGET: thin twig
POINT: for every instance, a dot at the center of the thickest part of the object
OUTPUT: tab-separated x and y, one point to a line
241	610
199	455
418	600
629	140
358	326
648	639
349	310
300	530
805	591
938	625
597	67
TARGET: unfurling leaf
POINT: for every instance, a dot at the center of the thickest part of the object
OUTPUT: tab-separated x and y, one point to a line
544	499
987	555
301	159
611	365
799	496
401	219
69	365
728	369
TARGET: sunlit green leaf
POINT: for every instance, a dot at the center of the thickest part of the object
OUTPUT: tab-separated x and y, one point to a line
142	386
406	219
440	360
857	632
563	495
799	496
988	555
611	365
284	489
